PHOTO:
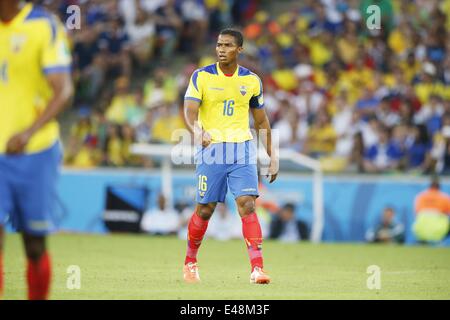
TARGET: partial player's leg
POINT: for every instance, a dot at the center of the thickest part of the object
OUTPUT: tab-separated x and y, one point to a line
38	267
196	230
243	183
6	208
2	232
212	188
251	230
35	197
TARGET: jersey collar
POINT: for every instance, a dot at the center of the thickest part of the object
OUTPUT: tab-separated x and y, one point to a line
20	17
220	73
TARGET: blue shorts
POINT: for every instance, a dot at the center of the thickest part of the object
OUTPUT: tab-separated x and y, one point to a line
223	165
28	190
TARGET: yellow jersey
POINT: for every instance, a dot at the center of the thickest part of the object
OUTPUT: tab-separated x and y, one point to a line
225	101
32	45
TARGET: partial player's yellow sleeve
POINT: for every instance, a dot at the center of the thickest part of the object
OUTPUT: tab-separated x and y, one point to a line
55	51
257	100
194	90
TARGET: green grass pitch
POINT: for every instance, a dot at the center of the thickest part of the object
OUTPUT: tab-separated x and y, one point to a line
144	267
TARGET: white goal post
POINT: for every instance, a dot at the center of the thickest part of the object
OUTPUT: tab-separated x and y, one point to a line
166	152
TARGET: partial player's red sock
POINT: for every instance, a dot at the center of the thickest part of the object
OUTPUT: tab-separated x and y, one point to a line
1	274
251	230
38	277
196	230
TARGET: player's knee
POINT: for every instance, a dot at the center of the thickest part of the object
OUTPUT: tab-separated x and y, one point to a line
35	252
34	248
248	206
205	212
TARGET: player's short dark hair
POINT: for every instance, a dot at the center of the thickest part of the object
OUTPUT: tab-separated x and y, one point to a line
234	33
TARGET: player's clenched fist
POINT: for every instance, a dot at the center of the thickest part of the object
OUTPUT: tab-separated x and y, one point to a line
17	143
273	169
206	138
202	136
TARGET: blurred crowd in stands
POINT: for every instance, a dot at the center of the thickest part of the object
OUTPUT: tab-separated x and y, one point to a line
359	100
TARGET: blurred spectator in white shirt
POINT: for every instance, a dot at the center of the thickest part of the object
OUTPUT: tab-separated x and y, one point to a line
142	33
185	212
292	129
161	220
224	225
342	123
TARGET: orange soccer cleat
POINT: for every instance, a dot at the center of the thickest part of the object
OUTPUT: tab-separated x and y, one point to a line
190	273
259	276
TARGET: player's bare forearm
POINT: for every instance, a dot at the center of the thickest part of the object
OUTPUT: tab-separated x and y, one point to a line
191	118
262	125
62	86
63	91
191	114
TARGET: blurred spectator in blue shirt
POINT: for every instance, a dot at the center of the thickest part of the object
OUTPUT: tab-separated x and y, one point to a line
368	103
418	148
384	155
168	27
114	44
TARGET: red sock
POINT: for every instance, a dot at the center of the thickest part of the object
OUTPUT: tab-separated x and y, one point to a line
251	230
196	230
1	274
38	277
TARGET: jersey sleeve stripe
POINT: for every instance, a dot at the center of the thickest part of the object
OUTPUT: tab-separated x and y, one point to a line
57	69
260	84
194	79
192	98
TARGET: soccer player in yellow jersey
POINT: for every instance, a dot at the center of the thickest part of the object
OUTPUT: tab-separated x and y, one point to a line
35	85
217	104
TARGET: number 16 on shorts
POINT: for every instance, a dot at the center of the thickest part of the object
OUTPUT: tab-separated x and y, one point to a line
202	184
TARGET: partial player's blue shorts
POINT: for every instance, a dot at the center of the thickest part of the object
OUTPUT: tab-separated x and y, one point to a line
28	190
223	165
